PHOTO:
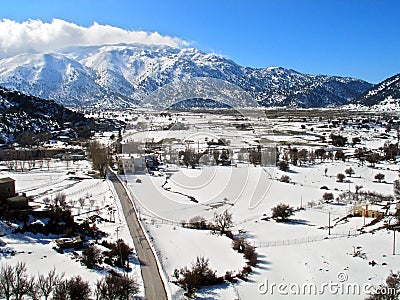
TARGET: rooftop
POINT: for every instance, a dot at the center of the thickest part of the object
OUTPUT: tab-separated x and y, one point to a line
17	199
6	180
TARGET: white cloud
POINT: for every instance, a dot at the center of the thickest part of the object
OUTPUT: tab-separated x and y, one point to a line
37	36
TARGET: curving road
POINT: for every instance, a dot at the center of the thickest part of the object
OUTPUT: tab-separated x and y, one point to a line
153	284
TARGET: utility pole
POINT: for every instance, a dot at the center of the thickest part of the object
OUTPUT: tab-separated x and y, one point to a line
394	237
329	223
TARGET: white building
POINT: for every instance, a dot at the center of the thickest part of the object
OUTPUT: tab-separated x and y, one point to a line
131	165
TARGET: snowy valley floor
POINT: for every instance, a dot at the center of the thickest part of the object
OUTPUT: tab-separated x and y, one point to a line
296	253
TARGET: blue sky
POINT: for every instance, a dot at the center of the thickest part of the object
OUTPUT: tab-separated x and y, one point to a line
337	37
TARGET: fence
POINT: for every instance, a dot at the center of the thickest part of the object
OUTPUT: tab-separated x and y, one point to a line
306	239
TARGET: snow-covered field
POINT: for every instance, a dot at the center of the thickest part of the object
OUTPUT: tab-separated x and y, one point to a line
302	255
295	253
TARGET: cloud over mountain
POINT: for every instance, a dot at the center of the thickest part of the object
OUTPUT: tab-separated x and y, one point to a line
38	36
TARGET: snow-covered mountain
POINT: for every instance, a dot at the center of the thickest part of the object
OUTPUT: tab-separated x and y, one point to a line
124	75
383	96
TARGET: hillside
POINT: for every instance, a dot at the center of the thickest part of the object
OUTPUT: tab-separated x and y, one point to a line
123	75
385	95
28	119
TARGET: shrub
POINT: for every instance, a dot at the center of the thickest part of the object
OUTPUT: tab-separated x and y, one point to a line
340	177
244	273
380	177
198	276
197	222
91	256
118	255
338	140
283	166
251	255
229	234
349	171
239	245
327	196
229	276
285	178
282	212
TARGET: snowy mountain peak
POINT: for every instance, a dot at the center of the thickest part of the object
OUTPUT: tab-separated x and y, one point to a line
124	74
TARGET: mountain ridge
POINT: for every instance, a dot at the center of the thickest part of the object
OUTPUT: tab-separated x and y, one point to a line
384	95
124	74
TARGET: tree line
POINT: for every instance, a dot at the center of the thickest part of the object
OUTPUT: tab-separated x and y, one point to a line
17	284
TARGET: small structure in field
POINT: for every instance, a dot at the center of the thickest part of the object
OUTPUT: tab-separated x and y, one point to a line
66	243
369	211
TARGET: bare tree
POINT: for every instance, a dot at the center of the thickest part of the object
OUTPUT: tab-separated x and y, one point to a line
223	221
21	282
82	201
33	291
73	289
99	156
92	202
48	162
46	200
61	290
113	287
60	200
47	283
10	165
6	279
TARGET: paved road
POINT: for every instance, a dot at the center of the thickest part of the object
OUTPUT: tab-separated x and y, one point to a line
153	285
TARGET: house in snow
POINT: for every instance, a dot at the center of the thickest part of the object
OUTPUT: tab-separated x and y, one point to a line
7	188
369	211
9	200
133	164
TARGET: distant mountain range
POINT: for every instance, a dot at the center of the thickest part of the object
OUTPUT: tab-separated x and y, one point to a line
383	96
116	76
